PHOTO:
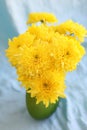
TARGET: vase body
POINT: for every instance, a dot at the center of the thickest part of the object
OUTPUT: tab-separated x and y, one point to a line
39	111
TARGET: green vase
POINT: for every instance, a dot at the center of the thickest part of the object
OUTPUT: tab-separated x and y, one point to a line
39	111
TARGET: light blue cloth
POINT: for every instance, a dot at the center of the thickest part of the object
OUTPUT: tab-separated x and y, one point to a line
72	111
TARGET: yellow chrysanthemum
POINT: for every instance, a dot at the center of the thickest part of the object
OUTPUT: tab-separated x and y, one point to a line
68	54
42	32
48	88
16	44
35	58
72	30
73	53
43	17
43	54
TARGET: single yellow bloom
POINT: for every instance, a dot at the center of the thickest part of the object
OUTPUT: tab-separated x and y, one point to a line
41	17
72	29
48	88
16	44
42	32
67	54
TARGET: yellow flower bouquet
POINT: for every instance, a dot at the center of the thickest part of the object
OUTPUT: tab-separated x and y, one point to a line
42	57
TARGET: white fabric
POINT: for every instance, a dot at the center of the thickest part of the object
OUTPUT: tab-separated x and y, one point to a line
72	111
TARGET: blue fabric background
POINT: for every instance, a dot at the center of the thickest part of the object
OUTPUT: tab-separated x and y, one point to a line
72	111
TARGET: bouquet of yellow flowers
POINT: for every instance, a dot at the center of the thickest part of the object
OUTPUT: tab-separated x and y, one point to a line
44	54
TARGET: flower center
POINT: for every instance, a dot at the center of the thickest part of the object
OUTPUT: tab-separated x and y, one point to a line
36	56
18	46
67	53
45	84
42	21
